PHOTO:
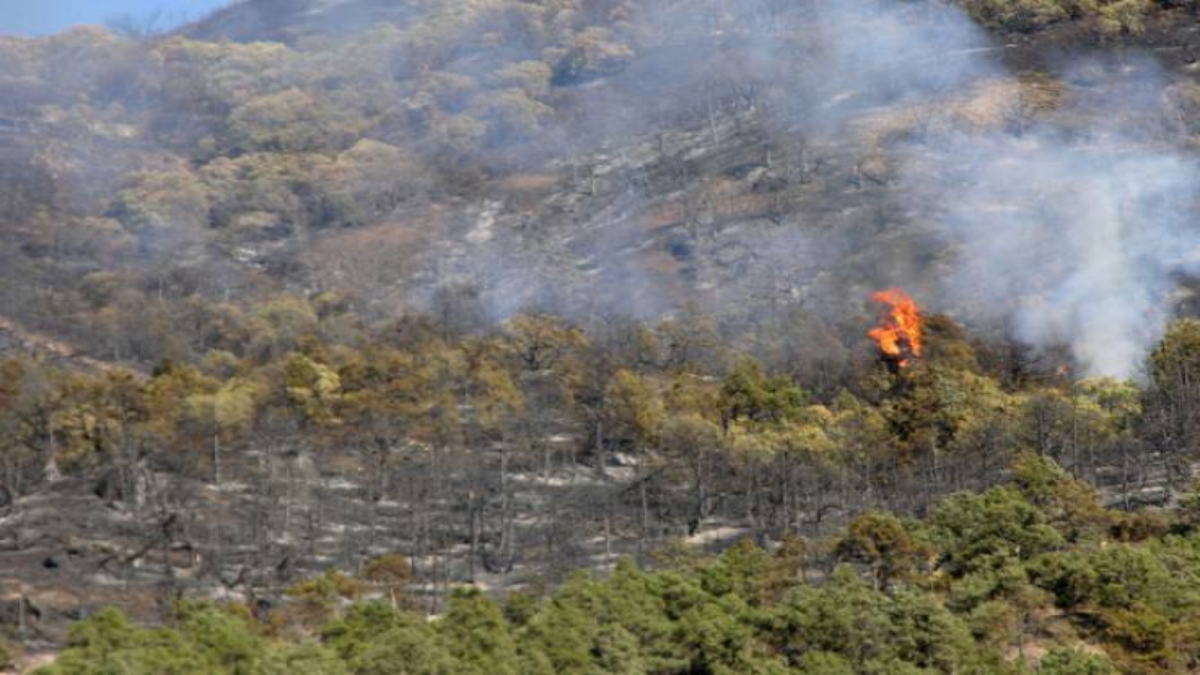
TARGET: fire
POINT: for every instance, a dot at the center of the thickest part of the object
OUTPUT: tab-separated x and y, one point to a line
899	332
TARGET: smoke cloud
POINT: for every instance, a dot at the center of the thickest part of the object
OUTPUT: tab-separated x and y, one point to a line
1074	243
804	152
1069	227
1071	230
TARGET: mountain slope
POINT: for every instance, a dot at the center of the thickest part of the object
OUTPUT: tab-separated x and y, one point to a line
517	288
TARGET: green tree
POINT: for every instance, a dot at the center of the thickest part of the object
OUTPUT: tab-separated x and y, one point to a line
1170	422
478	636
1064	661
748	393
362	625
221	415
884	543
1071	505
976	532
413	648
313	389
164	209
289	121
306	658
633	412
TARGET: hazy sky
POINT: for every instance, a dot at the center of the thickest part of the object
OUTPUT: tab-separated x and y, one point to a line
40	17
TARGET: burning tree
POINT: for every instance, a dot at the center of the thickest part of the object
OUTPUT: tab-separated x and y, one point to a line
900	328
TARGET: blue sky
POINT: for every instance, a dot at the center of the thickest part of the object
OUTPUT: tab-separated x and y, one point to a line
42	17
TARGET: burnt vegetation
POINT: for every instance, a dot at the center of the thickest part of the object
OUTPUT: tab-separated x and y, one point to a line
532	337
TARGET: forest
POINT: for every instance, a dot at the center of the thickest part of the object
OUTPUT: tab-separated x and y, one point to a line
1031	571
669	430
555	336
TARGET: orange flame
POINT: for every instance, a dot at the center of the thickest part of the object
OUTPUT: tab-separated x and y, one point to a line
899	332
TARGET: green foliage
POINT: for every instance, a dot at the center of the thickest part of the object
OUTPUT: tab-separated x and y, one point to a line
320	599
883	542
744	570
1019	15
411	649
748	393
1177	357
172	203
314	388
1071	577
824	663
208	640
1127	576
8	654
941	405
717	638
1063	661
1167	423
1071	505
478	636
984	574
874	632
242	172
1109	17
1003	570
288	121
634	411
230	639
306	658
979	532
362	625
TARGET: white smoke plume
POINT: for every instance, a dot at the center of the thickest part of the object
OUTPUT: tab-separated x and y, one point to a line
1070	227
1073	230
1076	243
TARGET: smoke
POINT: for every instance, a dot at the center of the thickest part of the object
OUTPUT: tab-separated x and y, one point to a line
709	82
889	53
1075	243
1067	227
1072	230
754	153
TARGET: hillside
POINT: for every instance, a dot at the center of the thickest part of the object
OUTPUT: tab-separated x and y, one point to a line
985	607
496	291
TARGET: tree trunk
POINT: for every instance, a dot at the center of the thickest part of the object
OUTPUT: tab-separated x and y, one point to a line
216	458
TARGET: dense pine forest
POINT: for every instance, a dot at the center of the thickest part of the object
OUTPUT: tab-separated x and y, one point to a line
603	336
